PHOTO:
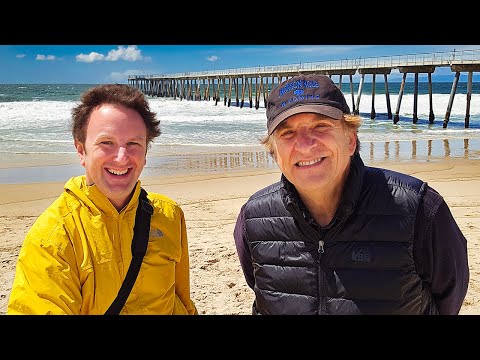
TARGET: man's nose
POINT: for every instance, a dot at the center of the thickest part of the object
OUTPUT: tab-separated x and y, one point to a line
122	154
305	138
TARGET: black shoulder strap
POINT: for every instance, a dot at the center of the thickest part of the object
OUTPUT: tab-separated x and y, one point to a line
141	232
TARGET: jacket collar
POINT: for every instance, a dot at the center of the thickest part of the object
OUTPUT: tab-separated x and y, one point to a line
93	198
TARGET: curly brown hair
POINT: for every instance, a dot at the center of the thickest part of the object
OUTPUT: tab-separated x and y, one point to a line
116	94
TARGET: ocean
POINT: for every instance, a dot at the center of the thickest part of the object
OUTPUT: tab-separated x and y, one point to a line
204	137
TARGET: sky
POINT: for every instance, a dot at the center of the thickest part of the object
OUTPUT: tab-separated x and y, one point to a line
95	64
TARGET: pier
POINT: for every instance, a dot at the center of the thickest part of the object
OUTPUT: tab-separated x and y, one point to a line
255	83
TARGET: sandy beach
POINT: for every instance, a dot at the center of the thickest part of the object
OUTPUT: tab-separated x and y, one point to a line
211	203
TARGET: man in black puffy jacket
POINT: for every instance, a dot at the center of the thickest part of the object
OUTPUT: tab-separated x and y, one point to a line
334	236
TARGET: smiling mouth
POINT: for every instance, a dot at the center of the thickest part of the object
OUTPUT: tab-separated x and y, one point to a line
118	172
308	163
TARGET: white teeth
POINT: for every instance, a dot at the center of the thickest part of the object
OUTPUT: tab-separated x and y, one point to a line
306	163
111	171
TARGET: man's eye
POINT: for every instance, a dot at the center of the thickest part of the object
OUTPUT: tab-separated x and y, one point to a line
286	133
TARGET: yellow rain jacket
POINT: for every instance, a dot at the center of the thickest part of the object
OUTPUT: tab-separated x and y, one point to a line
77	253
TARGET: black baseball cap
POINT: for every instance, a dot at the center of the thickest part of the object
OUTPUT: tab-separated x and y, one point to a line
313	93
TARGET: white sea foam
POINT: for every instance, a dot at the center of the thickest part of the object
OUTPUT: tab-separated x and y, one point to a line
44	125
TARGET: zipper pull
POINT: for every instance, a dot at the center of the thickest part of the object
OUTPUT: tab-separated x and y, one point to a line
320	246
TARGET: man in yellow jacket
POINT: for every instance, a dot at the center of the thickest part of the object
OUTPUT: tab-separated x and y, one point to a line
75	257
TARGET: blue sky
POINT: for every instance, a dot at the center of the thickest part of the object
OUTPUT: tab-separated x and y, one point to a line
92	64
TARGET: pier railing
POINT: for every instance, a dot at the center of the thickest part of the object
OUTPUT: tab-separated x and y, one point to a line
460	57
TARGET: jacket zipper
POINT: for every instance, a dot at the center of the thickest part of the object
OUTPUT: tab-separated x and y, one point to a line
321	297
320	248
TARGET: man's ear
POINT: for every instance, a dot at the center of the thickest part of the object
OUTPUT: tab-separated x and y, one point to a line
352	142
80	151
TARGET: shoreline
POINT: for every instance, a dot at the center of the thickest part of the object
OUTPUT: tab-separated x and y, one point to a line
188	160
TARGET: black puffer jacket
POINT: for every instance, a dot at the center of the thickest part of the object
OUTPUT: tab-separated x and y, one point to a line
361	264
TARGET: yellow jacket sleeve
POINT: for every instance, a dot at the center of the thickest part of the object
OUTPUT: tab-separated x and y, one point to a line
45	281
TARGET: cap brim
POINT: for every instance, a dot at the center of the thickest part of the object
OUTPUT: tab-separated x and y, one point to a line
326	110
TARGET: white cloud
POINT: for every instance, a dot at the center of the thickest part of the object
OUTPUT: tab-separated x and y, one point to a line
89	58
212	58
130	53
122	77
117	77
45	57
20	56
